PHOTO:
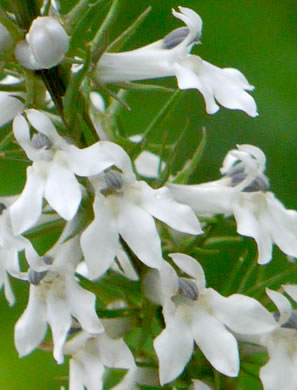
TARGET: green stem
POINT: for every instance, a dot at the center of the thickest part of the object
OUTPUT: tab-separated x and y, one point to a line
75	15
246	277
268	282
217	380
236	271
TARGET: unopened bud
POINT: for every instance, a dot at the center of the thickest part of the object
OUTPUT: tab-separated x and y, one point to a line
46	46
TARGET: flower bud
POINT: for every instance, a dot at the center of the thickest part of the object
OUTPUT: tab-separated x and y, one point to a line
6	41
46	46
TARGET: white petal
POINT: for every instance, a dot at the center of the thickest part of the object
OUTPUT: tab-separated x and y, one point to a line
216	343
187	72
282	303
126	267
10	107
117	154
256	153
168	279
198	385
280	371
94	371
139	231
240	313
205	199
44	125
291	290
160	204
76	375
21	132
8	291
114	353
192	20
31	327
249	225
191	267
140	64
283	225
88	161
228	87
82	306
26	210
62	191
147	164
59	318
174	347
99	241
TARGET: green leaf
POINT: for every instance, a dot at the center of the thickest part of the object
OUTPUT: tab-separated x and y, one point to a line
143	87
190	166
96	43
117	44
162	114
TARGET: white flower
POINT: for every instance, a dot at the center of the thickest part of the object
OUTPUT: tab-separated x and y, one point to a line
89	356
127	207
52	175
55	296
281	344
193	312
170	57
243	192
10	107
45	46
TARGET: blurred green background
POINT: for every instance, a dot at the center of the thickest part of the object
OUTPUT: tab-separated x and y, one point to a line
257	37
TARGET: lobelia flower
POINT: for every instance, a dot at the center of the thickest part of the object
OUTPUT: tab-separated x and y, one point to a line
193	312
281	344
45	46
243	192
90	354
55	297
126	207
170	57
52	175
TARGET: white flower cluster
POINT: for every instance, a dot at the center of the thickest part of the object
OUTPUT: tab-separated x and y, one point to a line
123	233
